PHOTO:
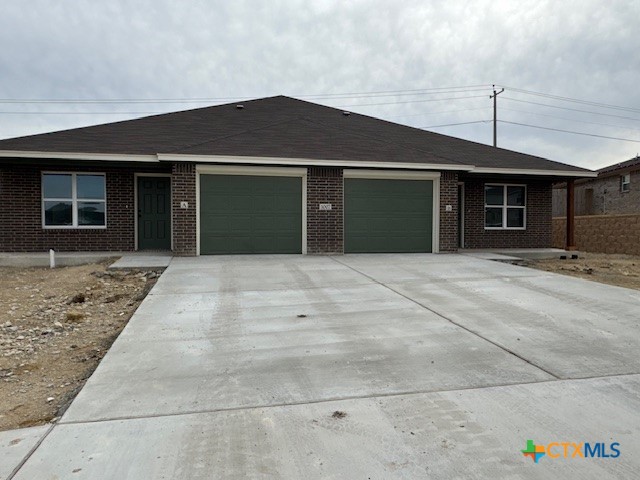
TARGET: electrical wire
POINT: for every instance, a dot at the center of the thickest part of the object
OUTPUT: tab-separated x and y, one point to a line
567	108
413	101
81	113
454	124
570	131
419	91
440	111
570	119
351	105
574	100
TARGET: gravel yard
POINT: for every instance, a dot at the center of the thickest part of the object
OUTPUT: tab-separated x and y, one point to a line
613	269
55	327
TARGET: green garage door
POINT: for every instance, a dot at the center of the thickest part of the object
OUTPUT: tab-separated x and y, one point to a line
388	216
250	214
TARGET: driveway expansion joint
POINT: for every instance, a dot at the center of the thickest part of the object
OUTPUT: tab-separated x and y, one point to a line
441	315
31	452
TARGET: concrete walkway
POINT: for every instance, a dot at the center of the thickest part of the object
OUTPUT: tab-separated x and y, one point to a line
444	367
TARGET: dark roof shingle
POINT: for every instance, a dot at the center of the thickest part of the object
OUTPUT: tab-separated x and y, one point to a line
279	127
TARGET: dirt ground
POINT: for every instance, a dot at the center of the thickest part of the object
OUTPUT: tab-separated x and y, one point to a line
620	270
55	327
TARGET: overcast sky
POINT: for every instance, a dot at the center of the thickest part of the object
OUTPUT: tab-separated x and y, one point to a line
169	50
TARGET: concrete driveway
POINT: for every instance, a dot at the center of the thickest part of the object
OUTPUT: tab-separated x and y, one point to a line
443	366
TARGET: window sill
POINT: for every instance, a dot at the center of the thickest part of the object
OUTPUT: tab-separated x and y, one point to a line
505	228
104	227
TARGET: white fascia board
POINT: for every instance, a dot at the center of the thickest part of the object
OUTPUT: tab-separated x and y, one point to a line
525	171
390	174
308	162
105	157
245	170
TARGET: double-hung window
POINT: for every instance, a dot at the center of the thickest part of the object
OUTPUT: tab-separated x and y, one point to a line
74	200
505	207
625	182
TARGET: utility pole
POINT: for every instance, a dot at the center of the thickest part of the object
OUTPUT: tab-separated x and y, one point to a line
495	114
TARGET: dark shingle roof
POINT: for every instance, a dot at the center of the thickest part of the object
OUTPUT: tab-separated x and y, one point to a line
279	127
629	164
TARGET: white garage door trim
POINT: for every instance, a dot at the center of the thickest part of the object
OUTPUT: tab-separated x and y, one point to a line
400	175
253	171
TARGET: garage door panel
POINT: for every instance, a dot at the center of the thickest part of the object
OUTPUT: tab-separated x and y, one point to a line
388	215
250	214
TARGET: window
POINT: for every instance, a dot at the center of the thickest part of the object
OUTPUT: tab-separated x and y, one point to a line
625	182
73	200
505	206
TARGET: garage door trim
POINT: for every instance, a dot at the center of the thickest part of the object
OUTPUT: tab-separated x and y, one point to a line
253	171
400	175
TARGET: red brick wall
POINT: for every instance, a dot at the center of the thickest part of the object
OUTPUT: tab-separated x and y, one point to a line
183	184
538	219
449	220
21	216
325	227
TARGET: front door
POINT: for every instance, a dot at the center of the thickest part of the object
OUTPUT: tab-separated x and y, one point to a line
154	213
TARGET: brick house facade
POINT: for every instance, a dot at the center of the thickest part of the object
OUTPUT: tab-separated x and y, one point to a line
604	195
22	229
316	146
538	232
20	186
325	227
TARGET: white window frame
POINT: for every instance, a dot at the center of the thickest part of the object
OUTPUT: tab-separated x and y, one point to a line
74	201
504	206
625	181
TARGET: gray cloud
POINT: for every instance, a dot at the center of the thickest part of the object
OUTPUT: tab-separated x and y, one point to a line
189	49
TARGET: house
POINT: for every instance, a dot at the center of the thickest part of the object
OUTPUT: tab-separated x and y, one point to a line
272	175
615	191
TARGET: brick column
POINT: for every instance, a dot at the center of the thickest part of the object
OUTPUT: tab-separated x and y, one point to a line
183	178
449	220
325	227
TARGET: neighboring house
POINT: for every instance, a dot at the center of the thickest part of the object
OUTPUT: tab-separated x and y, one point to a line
273	175
615	191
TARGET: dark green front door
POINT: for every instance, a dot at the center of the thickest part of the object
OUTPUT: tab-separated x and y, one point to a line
154	213
388	216
250	214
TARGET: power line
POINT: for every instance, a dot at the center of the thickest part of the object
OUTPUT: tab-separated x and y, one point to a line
440	111
80	113
570	131
342	106
575	100
378	95
433	89
571	119
571	109
454	124
412	101
381	93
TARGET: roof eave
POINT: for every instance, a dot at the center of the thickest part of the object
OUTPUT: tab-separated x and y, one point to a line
538	172
310	162
227	159
105	157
